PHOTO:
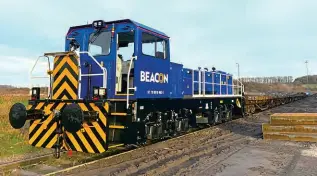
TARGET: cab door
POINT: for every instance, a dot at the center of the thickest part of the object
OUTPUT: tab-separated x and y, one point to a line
152	66
124	62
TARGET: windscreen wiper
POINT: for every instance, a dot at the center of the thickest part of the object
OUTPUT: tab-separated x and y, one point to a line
95	36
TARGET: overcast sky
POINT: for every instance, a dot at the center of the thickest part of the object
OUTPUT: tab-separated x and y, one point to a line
266	37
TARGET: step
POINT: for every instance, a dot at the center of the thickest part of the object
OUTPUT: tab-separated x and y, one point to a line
116	127
299	137
124	100
119	114
115	145
267	128
293	119
118	106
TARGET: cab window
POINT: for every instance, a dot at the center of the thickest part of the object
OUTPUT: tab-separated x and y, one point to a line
153	46
99	43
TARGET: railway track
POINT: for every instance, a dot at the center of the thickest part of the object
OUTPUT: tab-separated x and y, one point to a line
24	165
29	161
221	140
156	160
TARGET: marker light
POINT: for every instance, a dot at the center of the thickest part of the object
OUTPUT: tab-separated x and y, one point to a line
99	93
35	93
112	32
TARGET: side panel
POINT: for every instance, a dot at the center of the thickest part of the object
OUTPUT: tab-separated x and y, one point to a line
209	81
223	84
152	77
187	82
176	80
217	83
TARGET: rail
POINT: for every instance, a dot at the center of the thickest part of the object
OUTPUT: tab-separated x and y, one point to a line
49	92
128	80
237	89
104	72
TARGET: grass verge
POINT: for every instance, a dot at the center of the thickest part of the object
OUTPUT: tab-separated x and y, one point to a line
13	141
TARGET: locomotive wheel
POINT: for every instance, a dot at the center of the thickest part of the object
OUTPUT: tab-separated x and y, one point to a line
210	116
222	114
229	115
217	118
17	115
72	118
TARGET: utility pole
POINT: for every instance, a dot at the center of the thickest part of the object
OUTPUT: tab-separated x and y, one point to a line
238	71
306	62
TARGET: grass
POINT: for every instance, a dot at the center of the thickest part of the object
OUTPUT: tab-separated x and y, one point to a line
13	141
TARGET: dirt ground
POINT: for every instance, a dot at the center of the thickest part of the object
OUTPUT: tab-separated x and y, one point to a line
235	148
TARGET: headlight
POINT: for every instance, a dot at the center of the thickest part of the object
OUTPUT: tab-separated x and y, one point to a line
99	93
102	92
98	24
96	91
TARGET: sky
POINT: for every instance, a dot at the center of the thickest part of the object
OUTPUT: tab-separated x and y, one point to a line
266	37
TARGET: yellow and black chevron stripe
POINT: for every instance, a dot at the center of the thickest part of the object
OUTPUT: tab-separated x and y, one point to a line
65	77
92	138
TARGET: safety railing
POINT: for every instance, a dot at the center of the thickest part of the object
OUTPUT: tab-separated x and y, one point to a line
237	89
32	77
128	82
103	74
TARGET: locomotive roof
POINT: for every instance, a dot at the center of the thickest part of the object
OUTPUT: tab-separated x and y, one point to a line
124	21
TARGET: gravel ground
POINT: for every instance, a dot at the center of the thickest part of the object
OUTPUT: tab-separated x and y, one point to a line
234	148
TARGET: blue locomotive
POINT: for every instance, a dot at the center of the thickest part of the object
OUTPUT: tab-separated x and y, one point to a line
115	85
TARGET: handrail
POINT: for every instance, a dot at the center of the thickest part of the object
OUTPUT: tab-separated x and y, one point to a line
241	85
199	82
193	84
202	88
104	72
49	92
128	80
204	82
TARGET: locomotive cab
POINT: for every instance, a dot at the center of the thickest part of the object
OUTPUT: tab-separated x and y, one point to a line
133	55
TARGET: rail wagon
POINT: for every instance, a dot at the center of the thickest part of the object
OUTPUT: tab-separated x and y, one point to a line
256	103
115	85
